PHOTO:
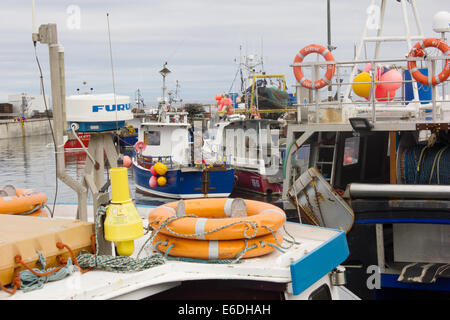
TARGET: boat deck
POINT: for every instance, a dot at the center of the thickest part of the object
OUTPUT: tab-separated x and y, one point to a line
287	269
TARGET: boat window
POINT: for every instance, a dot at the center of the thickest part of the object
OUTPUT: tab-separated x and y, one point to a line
321	293
351	151
153	138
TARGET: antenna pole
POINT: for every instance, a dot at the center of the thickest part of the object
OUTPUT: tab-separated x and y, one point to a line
112	68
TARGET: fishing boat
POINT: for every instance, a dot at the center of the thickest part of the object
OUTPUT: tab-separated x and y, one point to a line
253	149
381	144
88	251
74	144
170	144
257	113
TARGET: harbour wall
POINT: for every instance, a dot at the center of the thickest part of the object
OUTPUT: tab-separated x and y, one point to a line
31	127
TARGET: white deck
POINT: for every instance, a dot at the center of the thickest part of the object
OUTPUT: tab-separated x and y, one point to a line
274	267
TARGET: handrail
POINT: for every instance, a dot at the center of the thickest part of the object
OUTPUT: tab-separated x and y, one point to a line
400	100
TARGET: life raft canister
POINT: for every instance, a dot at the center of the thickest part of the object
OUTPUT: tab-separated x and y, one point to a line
25	200
316	48
215	214
417	51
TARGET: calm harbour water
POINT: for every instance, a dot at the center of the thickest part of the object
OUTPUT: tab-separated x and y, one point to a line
29	162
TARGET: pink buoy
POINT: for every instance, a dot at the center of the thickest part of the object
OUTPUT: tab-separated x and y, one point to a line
153	182
391	75
127	161
382	95
140	146
153	171
367	67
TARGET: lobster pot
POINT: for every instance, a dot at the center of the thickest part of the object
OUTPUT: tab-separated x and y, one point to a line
423	90
421	165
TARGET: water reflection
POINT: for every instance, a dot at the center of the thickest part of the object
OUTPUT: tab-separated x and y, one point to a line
29	162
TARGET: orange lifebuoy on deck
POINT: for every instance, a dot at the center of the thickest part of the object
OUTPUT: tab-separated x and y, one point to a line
213	219
216	249
25	200
298	69
417	51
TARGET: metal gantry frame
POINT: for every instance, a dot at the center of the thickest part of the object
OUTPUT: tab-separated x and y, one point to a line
101	143
308	128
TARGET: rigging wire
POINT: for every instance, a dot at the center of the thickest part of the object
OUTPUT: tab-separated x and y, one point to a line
50	124
112	70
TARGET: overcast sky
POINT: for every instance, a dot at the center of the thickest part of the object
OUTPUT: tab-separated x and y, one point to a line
199	39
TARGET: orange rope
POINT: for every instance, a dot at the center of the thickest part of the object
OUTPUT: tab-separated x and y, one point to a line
18	259
17	283
61	245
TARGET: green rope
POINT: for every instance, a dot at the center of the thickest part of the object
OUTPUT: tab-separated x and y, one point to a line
49	210
276	240
198	234
183	259
30	281
36	208
171	219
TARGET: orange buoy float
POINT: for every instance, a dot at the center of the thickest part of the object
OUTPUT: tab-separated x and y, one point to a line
25	200
215	249
417	51
213	219
298	69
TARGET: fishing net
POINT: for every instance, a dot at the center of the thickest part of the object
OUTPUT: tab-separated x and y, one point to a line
426	165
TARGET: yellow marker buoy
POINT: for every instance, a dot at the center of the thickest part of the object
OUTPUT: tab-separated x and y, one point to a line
162	181
123	224
160	168
362	89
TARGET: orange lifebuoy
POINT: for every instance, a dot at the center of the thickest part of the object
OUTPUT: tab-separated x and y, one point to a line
298	69
25	200
215	214
417	51
216	249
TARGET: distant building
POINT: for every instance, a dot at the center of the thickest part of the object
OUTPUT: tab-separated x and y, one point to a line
28	105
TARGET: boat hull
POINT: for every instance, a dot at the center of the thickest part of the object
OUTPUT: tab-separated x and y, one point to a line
256	182
185	184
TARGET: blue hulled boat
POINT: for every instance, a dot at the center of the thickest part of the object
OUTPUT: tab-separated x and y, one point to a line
170	144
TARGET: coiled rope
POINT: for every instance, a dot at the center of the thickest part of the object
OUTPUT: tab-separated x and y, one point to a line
426	165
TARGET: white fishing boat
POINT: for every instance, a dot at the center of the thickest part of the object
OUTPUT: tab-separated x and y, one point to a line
101	251
384	141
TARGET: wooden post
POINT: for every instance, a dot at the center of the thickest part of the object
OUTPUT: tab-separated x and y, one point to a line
393	157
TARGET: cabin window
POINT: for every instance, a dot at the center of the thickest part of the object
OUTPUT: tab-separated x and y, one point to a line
351	151
321	293
153	138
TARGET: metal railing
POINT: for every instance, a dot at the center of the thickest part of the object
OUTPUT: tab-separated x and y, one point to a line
419	109
149	161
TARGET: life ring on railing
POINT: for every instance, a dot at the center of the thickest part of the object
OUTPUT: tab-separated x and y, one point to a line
140	146
25	200
215	213
417	51
216	249
298	69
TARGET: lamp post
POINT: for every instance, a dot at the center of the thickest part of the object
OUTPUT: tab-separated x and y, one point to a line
164	72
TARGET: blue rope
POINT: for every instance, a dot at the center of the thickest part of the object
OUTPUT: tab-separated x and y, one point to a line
30	281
